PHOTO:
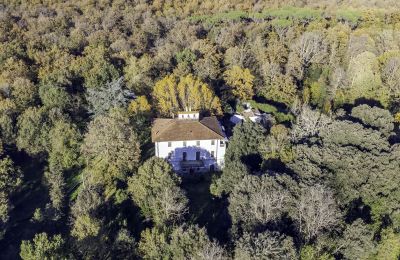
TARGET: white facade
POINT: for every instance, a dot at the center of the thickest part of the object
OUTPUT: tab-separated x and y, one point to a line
193	155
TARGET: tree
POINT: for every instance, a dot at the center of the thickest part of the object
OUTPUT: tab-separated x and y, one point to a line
137	74
316	211
357	241
245	143
374	117
24	93
53	96
240	82
43	247
256	201
96	67
277	144
388	247
391	76
139	106
64	143
111	95
8	114
232	174
111	150
266	245
279	88
365	80
10	180
189	93
155	189
86	217
308	123
182	242
33	129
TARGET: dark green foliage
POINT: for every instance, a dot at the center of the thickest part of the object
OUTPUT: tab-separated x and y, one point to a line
155	190
374	117
245	144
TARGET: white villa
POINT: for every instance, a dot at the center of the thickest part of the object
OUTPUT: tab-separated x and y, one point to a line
190	143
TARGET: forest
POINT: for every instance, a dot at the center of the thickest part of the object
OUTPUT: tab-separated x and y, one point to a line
81	82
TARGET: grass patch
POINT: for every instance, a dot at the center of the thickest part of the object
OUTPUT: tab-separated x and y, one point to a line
281	117
349	15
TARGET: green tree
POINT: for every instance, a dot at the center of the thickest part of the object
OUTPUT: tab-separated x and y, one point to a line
24	93
10	180
182	242
43	247
64	143
8	114
33	128
96	67
357	241
53	96
137	74
365	80
374	117
111	150
155	189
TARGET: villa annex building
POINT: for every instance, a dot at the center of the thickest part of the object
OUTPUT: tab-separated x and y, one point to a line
190	143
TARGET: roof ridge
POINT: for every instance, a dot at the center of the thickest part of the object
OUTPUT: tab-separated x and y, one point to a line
209	127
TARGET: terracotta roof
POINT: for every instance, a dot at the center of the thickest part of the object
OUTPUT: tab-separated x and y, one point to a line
184	130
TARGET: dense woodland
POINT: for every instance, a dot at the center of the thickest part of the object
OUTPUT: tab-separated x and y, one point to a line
82	80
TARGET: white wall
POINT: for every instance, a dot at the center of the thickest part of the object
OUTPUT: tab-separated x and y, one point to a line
205	148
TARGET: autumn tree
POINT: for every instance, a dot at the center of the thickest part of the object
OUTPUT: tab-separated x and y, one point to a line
139	106
240	82
172	95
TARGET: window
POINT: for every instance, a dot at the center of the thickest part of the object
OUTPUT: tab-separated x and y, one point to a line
169	144
221	143
212	154
184	143
198	143
212	142
184	155
197	156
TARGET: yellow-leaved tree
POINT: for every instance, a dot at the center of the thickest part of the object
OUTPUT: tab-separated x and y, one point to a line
139	105
188	92
240	82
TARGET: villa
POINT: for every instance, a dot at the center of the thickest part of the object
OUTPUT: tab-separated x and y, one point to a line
191	144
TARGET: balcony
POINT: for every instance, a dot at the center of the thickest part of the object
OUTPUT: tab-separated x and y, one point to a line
192	164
